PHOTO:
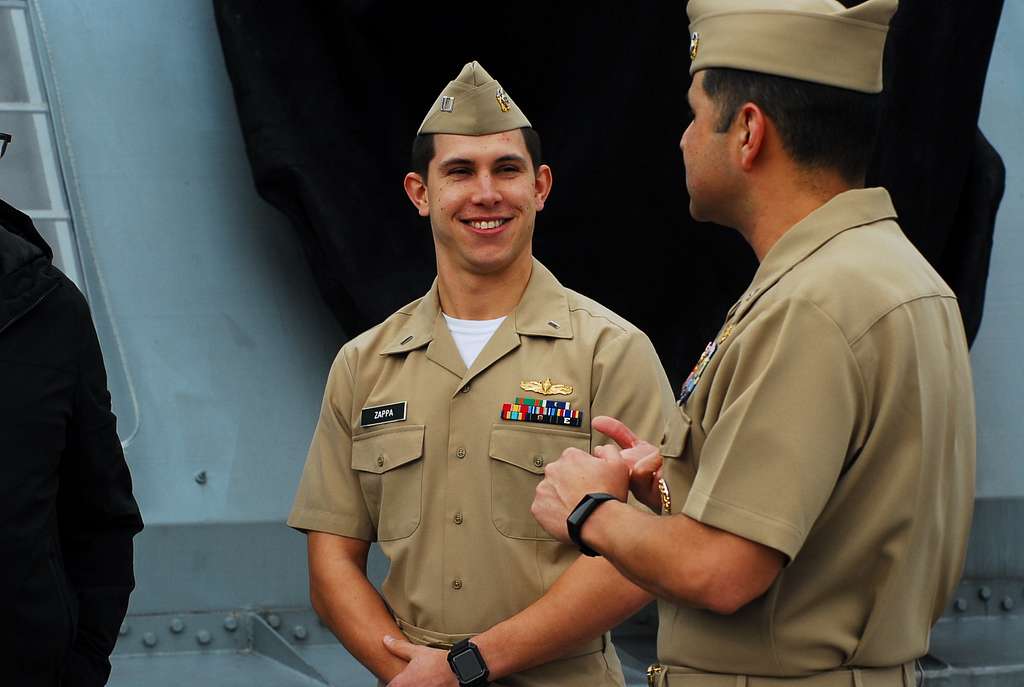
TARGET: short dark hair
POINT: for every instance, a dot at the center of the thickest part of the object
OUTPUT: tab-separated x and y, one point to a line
820	126
423	150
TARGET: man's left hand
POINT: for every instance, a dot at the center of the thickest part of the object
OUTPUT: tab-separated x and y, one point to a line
427	667
573	476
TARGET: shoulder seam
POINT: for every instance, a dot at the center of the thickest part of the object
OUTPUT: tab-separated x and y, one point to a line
856	339
624	330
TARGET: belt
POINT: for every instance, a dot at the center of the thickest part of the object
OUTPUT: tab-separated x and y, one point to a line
679	676
439	640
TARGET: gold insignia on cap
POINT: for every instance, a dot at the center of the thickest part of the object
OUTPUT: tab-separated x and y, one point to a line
447	103
694	45
546	388
504	102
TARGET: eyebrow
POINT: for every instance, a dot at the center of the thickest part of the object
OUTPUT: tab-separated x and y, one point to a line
455	161
450	162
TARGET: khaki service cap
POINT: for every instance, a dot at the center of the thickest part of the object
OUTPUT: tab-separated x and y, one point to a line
820	41
474	104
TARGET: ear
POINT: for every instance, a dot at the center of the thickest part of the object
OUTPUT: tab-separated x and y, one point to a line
542	185
753	127
416	189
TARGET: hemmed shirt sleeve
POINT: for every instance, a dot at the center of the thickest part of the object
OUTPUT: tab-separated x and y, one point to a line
328	498
785	420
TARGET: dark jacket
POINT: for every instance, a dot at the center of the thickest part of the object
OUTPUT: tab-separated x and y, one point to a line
67	514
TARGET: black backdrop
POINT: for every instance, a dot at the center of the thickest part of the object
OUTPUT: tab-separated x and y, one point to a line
329	95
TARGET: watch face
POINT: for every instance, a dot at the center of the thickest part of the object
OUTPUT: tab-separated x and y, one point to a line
467	666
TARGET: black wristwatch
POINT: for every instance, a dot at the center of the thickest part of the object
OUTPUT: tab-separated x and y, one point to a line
468	665
587	505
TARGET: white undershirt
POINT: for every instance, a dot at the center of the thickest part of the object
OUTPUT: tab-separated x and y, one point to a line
471	335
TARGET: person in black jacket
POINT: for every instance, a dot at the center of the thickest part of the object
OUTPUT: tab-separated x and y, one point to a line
67	514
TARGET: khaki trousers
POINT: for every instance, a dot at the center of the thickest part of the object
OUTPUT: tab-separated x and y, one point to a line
678	676
595	664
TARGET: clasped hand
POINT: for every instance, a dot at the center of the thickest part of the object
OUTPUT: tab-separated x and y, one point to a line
426	667
633	466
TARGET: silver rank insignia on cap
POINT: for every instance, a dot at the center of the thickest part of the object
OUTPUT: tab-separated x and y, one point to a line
694	45
447	103
504	102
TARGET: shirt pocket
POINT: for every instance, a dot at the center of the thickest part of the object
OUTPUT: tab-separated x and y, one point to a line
389	464
518	456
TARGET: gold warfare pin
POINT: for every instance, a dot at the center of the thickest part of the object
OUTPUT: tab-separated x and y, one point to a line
546	387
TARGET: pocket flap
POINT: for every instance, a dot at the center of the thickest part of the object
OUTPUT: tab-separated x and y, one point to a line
532	448
677	431
387	449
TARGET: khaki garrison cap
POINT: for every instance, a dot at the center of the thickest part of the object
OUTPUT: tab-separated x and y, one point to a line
474	104
820	41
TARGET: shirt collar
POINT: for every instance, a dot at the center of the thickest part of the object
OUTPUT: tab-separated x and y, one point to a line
848	210
542	311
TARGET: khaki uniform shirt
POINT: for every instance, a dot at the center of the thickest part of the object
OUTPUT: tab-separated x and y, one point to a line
447	490
834	423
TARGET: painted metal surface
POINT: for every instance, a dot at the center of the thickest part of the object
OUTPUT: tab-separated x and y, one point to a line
226	339
220	345
998	373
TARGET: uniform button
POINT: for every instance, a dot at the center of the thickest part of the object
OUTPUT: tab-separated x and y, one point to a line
538	461
460	453
458	518
380	461
464	390
456	583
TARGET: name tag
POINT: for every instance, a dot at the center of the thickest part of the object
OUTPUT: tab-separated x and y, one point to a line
381	415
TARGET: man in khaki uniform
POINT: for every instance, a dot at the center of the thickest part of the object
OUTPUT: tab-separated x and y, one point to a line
817	490
437	424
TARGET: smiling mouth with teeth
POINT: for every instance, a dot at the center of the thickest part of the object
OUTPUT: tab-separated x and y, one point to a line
485	224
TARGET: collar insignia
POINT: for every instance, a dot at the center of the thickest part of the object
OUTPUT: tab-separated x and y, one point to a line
694	45
546	387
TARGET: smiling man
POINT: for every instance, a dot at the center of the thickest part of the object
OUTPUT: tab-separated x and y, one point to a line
437	424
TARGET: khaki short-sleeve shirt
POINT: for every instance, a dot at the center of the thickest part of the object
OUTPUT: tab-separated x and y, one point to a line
834	422
411	449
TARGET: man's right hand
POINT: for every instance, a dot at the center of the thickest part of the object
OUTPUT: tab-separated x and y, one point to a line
643	458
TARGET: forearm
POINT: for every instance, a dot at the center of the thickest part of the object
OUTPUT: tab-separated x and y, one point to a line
344	599
663	555
587	600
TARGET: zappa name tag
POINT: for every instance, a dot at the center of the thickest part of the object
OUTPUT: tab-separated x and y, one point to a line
381	415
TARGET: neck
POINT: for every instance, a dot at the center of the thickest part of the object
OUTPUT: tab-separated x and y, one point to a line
469	296
778	203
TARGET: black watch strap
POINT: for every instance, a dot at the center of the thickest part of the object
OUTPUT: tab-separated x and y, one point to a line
468	664
583	510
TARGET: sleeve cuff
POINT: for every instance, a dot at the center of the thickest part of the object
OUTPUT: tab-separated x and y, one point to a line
755	527
306	520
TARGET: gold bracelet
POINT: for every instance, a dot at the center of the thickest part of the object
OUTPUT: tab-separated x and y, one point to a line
666	497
